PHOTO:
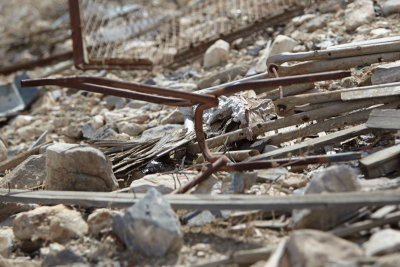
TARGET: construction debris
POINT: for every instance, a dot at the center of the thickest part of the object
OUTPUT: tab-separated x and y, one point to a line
243	123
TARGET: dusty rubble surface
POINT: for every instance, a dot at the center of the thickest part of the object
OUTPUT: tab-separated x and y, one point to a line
117	145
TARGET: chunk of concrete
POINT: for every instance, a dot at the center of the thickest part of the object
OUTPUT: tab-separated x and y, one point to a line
130	128
175	117
30	173
149	227
55	224
383	242
216	54
74	167
315	248
386	73
358	13
333	179
390	7
164	183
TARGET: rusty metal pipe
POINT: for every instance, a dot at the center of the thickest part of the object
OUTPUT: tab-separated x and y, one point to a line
112	91
282	81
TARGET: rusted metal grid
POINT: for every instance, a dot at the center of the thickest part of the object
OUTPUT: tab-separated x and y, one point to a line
140	34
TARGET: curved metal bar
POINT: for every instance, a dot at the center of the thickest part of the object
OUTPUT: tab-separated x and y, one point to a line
200	135
142	88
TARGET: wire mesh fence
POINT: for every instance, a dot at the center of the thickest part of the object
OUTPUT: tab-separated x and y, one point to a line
139	33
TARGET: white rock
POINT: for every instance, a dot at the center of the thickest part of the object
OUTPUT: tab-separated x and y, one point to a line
159	131
6	241
164	183
55	224
358	13
387	73
100	219
22	120
282	44
3	151
175	117
380	32
383	242
391	6
314	248
216	54
19	262
78	168
97	121
129	128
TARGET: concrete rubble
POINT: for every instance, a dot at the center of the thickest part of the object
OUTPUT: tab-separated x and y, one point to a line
149	227
89	179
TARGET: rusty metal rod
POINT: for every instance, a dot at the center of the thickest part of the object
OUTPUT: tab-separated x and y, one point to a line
295	161
116	92
282	81
214	167
142	88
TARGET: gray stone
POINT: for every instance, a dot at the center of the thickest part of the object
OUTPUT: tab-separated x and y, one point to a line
333	179
3	151
6	241
315	248
150	226
360	12
175	117
316	23
386	73
65	257
160	131
338	178
383	242
390	7
201	218
282	44
115	102
99	220
55	224
78	168
130	128
28	174
216	54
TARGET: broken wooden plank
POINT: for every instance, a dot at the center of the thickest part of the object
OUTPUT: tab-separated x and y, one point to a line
357	227
315	143
371	93
327	125
318	114
207	202
384	119
381	162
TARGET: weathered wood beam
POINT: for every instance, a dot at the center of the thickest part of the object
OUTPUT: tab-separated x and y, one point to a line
384	119
207	202
381	162
315	143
